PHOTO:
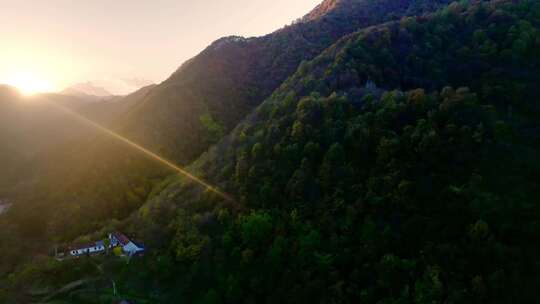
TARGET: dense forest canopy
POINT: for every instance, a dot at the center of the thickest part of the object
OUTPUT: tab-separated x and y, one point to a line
399	165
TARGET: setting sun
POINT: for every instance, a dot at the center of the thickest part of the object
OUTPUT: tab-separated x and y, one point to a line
28	83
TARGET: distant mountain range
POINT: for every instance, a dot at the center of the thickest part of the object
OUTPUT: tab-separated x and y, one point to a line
108	87
86	88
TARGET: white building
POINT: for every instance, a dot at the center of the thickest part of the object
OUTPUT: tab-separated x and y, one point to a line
88	249
116	239
128	246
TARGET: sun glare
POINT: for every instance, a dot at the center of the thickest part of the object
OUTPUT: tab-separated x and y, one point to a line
28	83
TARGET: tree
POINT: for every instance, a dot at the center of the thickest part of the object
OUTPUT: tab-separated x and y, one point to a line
107	244
188	242
256	228
331	171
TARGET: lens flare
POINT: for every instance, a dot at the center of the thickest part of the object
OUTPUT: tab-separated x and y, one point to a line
145	151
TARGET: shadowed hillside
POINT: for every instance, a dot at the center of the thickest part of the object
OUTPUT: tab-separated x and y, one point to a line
37	135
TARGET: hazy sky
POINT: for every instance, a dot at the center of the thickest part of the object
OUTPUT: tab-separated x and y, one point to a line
54	43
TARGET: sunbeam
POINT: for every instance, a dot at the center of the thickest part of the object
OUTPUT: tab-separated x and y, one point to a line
144	150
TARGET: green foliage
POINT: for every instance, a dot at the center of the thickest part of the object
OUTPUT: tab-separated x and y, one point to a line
188	241
400	192
256	228
118	251
214	130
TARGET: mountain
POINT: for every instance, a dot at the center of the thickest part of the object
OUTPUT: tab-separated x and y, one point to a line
200	103
110	110
235	74
379	171
393	62
397	164
30	127
322	10
36	129
86	88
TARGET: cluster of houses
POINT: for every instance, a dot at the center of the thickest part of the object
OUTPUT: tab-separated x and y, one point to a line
116	239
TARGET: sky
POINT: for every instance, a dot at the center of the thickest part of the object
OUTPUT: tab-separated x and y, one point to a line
48	45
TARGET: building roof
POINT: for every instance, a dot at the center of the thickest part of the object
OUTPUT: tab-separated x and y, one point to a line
83	246
122	239
139	245
86	246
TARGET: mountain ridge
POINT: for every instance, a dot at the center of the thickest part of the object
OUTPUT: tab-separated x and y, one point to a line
323	9
235	71
86	88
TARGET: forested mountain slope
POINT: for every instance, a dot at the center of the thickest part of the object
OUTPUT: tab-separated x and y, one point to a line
32	129
201	102
452	48
39	137
209	94
379	172
42	140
